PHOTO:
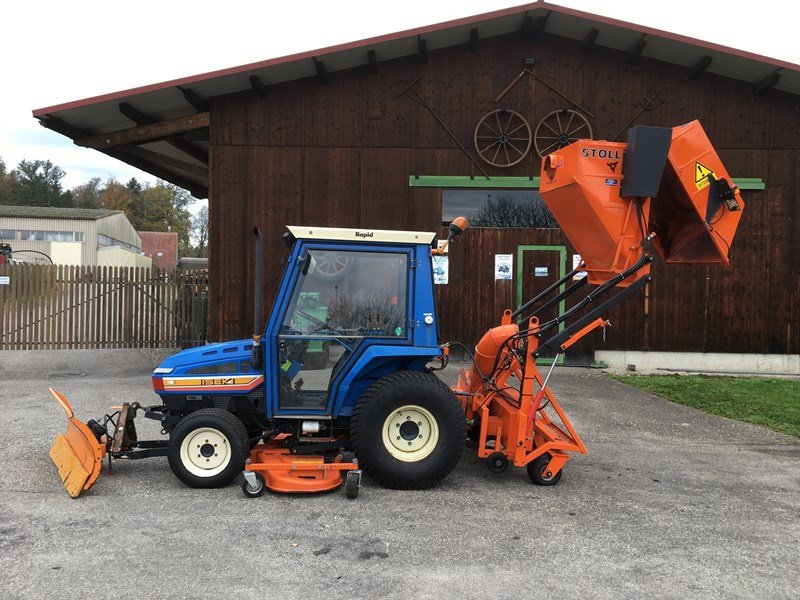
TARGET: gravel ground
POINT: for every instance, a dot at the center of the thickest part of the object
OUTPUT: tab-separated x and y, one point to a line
670	503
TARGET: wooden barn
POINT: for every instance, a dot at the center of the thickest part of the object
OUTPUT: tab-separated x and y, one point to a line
386	133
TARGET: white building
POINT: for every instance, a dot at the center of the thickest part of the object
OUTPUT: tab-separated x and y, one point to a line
71	236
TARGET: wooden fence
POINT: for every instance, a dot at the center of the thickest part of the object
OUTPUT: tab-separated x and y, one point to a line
54	307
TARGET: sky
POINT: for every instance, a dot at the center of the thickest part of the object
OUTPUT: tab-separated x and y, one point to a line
55	52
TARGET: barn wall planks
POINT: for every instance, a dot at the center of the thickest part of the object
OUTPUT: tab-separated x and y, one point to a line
341	153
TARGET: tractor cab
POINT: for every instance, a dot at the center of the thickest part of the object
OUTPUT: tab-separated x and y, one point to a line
352	306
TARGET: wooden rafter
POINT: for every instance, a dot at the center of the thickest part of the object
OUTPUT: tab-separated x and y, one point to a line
533	27
185	146
699	67
322	72
422	49
194	99
474	36
373	62
64	128
769	82
145	133
636	51
168	161
258	86
589	41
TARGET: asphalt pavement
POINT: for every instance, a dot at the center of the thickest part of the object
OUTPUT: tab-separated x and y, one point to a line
669	503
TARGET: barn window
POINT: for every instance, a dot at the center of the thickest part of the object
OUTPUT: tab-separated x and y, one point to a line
497	208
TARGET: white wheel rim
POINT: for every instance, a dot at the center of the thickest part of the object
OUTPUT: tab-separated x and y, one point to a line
205	452
410	433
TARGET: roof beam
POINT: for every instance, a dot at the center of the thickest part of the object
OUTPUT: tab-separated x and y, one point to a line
636	51
145	133
258	86
64	128
589	41
766	84
373	62
422	49
533	27
322	72
134	114
197	190
194	99
185	146
168	161
699	67
473	39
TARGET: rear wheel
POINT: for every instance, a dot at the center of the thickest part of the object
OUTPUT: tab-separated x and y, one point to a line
408	430
208	448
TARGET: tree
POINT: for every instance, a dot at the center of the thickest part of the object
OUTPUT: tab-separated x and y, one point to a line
200	231
159	207
116	196
8	182
87	195
506	212
38	183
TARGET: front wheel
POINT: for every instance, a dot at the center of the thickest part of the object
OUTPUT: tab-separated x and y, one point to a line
408	430
208	448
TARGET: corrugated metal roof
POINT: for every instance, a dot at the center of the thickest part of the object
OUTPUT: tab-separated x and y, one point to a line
54	212
101	114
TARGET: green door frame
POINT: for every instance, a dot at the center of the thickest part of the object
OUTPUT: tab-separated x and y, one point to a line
562	270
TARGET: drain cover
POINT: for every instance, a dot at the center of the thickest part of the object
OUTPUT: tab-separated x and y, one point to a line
65	374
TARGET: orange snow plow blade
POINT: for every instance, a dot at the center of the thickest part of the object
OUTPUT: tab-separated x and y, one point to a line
77	454
666	183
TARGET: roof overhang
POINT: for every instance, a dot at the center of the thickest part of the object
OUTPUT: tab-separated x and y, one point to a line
177	151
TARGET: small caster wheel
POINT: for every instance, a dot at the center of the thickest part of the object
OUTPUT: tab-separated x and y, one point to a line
497	462
537	471
253	489
352	484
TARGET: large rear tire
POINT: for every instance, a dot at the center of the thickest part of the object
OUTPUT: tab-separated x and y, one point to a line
408	430
208	448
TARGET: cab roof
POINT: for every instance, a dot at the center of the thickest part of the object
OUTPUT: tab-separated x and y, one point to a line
361	235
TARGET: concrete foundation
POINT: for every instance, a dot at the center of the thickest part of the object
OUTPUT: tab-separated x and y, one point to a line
701	362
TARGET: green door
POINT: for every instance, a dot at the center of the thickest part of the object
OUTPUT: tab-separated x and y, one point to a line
537	268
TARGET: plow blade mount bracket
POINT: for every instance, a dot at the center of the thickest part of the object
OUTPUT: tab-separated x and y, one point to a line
77	454
692	208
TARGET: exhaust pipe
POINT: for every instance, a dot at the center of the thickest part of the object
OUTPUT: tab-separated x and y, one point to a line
258	352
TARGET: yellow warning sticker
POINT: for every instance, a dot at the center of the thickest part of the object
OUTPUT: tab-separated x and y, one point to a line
701	173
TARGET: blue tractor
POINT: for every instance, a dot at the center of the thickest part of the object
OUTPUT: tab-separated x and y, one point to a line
268	406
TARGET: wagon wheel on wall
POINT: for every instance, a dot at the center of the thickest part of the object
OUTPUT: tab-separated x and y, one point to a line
560	128
502	138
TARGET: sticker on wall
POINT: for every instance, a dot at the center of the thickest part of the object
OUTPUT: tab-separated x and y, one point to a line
576	262
441	270
440	243
5	280
540	271
503	264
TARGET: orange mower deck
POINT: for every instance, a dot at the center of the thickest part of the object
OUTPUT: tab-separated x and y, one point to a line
288	473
